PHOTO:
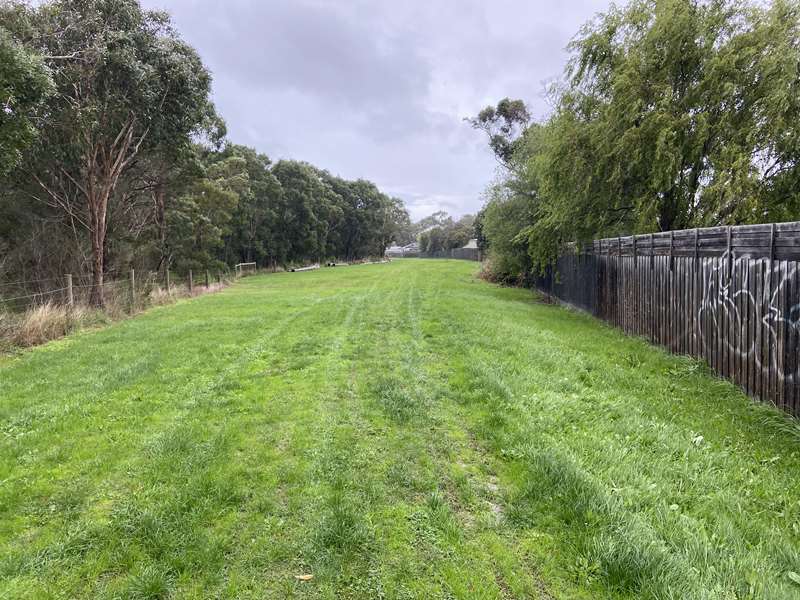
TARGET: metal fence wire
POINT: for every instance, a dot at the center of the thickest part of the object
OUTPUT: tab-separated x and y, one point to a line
19	296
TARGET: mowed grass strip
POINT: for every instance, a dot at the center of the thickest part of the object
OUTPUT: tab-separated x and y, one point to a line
386	431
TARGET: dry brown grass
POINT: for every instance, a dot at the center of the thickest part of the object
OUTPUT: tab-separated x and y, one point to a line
50	321
46	322
159	295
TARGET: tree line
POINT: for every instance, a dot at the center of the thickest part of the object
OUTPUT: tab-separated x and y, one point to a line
440	232
113	156
671	114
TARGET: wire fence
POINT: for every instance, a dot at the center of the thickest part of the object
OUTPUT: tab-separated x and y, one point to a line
131	290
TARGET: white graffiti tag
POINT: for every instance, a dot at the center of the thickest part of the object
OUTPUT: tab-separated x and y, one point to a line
729	303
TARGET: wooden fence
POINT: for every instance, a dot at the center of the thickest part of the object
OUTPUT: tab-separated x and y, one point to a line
458	253
727	295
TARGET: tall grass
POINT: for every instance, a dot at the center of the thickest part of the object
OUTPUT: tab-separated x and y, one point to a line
52	320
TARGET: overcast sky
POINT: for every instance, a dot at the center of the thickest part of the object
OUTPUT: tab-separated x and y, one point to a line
379	89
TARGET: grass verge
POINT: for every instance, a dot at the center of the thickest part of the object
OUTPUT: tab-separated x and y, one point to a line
393	431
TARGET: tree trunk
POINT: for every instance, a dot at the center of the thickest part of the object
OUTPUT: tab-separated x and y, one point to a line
97	205
666	217
160	201
103	163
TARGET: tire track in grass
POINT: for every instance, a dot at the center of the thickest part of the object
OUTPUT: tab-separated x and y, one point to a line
472	492
302	478
433	537
340	531
412	435
284	471
172	437
555	488
338	492
561	438
237	575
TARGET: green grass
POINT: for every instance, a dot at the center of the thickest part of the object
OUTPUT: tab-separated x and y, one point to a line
396	431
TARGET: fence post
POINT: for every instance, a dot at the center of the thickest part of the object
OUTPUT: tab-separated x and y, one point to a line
772	244
133	289
70	297
207	279
696	283
671	247
730	255
166	280
191	283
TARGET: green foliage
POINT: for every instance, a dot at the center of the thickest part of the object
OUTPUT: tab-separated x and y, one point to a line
123	162
397	431
200	219
118	71
672	114
503	125
439	232
294	212
503	221
24	86
255	232
125	86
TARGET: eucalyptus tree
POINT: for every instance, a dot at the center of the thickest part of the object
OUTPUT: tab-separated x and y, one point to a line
440	231
125	85
504	125
366	219
255	231
170	169
25	84
396	227
308	210
402	230
200	220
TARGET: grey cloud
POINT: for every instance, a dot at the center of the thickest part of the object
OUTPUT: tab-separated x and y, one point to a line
377	89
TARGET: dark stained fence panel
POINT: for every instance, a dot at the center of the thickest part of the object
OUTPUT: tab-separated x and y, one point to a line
458	253
727	295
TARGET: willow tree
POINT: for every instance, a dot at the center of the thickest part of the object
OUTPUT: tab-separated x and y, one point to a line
679	113
125	85
671	114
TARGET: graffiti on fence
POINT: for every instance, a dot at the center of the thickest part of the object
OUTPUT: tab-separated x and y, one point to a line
727	305
728	295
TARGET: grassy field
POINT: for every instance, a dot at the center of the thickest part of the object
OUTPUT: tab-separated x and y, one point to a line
386	431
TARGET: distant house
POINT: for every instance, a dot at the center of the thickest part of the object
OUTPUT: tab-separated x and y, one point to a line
411	249
467	252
